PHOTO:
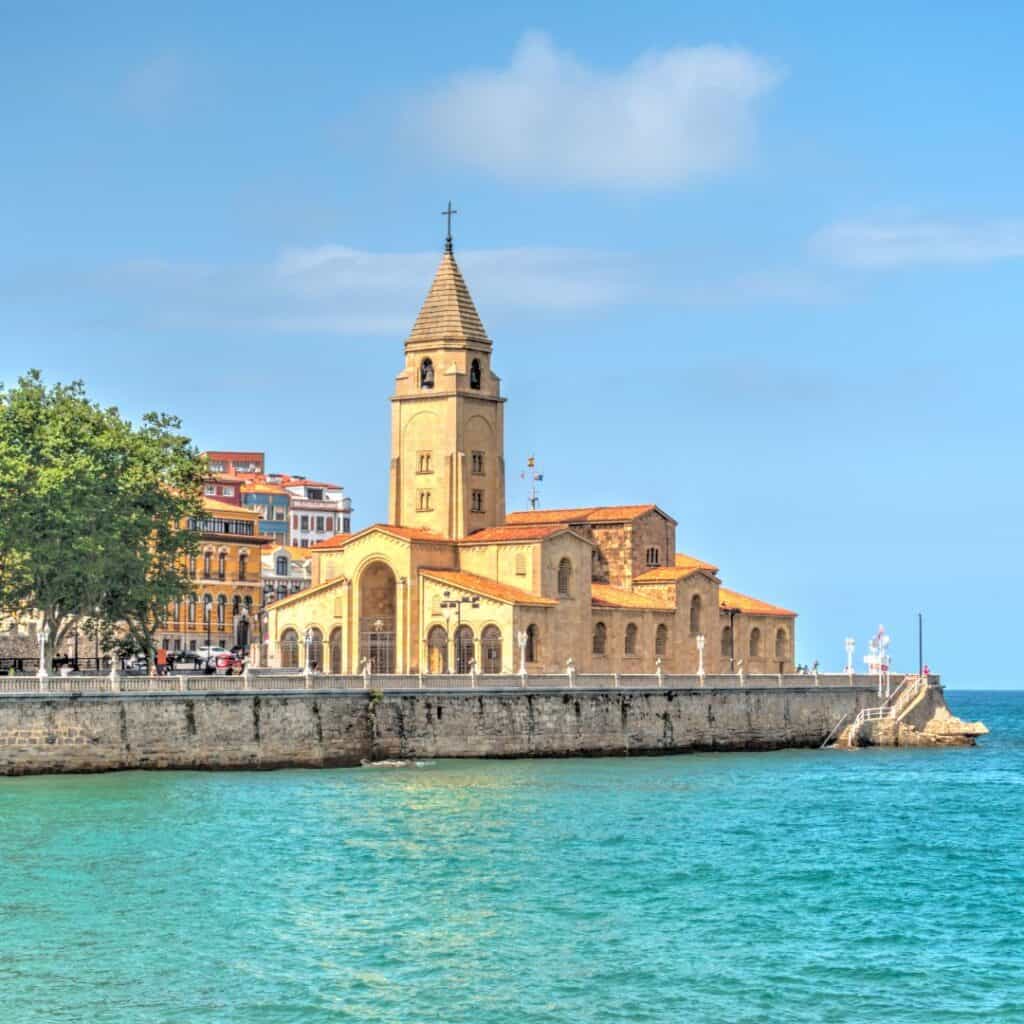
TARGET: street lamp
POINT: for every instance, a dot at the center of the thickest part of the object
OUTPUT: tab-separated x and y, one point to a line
44	635
851	646
700	655
457	603
207	611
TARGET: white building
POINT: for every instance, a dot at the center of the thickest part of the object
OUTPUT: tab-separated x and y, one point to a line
318	510
285	570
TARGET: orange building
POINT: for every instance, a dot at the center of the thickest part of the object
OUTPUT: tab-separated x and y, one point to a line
225	606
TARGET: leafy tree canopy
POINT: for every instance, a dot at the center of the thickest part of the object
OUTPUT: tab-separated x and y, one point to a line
93	510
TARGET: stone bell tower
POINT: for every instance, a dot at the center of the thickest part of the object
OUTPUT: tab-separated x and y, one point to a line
447	423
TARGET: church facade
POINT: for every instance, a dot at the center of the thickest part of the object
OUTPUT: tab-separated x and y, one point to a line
453	583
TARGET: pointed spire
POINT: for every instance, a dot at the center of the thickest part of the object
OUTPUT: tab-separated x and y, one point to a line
448	314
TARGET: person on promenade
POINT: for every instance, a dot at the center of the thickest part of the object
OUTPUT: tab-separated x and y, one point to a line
161	661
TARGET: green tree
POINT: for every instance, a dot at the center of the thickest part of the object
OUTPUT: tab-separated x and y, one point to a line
93	511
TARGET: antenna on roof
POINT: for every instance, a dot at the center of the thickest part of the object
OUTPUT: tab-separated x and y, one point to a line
535	477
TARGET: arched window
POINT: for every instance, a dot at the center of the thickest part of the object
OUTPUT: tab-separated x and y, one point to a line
600	638
191	609
463	649
520	564
222	565
630	645
207	565
289	649
335	652
192	566
532	643
207	607
474	375
427	374
437	650
564	577
243	565
236	605
282	565
490	646
755	643
661	639
781	645
727	642
222	603
248	603
653	557
315	639
695	615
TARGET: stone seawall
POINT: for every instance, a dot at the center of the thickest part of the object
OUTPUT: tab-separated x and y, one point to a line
44	734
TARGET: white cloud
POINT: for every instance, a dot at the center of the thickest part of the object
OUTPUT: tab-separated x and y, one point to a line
881	246
667	118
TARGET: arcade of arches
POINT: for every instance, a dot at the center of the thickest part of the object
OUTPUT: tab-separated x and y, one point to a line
453	583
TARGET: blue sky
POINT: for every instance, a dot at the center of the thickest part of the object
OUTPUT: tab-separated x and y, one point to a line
760	264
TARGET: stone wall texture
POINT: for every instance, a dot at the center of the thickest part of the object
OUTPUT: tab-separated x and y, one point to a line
43	734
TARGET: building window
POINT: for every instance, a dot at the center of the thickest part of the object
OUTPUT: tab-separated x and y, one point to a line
423	464
490	647
564	577
222	566
303	522
289	649
423	502
320	524
295	522
427	374
755	643
347	525
207	565
210	490
335	651
661	639
781	645
478	463
222	602
630	645
315	649
192	610
236	604
228	492
695	615
600	639
478	501
653	557
282	565
727	642
532	643
474	375
192	566
520	563
243	565
315	493
216	467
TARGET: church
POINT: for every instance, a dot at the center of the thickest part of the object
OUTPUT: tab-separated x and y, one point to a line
454	583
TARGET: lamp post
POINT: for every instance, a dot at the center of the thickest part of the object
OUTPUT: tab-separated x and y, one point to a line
44	635
521	639
378	628
700	655
457	603
851	646
208	612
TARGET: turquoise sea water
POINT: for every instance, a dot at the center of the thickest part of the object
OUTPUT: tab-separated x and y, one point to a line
792	886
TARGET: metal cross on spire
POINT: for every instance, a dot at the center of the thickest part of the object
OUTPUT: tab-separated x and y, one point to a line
449	213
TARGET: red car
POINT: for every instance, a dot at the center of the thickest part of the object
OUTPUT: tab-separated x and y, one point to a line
229	662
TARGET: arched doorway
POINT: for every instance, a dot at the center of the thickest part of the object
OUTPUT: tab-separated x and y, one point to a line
463	649
289	649
377	604
315	649
437	651
335	651
490	644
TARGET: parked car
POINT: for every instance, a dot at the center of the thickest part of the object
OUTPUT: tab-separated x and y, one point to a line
185	659
228	663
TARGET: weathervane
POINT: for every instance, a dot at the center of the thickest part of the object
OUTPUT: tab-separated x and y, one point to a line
449	213
531	474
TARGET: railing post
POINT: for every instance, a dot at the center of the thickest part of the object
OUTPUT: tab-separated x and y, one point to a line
616	680
659	673
115	679
570	671
183	683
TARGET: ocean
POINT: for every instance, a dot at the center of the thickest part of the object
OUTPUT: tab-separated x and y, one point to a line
875	885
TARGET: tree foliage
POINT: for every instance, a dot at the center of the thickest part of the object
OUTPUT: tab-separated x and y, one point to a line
93	510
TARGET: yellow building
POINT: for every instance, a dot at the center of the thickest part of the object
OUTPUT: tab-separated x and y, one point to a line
452	579
225	605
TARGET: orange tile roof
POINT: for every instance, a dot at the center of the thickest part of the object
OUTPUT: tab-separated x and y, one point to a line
730	600
684	566
486	588
339	540
689	562
591	514
525	532
213	505
603	595
262	488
